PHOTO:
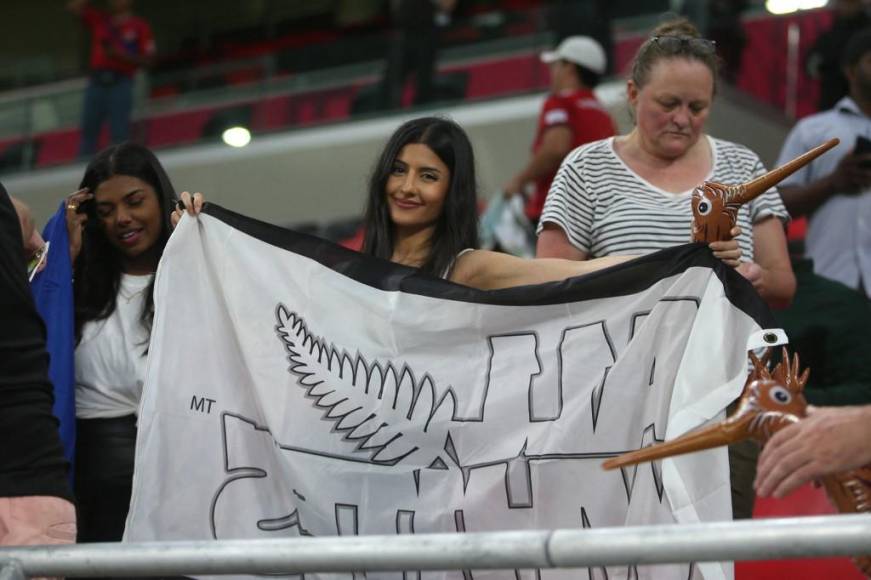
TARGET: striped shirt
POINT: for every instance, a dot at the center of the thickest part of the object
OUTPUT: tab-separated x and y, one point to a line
605	208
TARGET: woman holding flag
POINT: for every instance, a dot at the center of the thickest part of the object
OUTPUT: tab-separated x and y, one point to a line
631	194
118	224
421	212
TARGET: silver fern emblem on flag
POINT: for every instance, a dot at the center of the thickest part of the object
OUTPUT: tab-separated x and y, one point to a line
385	414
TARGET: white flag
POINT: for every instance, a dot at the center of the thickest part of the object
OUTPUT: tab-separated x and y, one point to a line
296	388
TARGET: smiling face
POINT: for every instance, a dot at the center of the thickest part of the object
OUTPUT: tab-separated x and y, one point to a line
672	107
417	187
128	211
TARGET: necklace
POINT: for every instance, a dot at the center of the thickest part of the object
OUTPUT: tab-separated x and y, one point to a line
128	297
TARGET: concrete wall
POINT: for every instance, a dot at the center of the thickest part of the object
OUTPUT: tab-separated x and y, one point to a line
320	174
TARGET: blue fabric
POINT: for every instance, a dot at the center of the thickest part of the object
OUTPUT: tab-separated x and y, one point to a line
53	293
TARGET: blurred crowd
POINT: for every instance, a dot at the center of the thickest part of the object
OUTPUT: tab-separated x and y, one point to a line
587	198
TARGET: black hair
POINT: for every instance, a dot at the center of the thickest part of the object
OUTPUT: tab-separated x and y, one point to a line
457	226
587	77
858	44
97	269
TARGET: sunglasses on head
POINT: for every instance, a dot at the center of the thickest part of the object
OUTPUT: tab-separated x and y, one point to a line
677	43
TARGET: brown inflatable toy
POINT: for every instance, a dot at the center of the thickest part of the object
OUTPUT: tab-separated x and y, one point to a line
771	400
715	206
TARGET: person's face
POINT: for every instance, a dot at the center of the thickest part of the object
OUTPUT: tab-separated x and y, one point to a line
417	187
557	74
128	211
671	109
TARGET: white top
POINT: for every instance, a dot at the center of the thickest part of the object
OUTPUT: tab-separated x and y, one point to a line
606	208
839	231
110	361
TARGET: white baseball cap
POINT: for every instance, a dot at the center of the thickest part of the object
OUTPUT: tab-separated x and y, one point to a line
581	50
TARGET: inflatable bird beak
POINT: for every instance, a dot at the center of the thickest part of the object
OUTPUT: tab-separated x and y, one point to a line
763	183
715	205
722	433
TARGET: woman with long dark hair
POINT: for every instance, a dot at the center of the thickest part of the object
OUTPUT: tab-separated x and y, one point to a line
118	224
449	224
421	212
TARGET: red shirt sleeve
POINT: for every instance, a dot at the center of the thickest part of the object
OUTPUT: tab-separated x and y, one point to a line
554	113
146	39
95	21
92	17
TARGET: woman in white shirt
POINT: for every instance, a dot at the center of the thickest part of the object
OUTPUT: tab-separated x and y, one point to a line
118	225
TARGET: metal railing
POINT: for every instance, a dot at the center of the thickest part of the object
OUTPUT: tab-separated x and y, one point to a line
768	539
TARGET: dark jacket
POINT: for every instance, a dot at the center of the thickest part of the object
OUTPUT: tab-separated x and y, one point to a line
31	457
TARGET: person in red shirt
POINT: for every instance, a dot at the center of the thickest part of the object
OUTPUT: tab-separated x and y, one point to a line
121	43
571	116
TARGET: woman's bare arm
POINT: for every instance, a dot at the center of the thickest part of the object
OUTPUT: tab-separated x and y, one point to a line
493	270
771	274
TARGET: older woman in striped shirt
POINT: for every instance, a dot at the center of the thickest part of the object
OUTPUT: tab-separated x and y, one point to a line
631	194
